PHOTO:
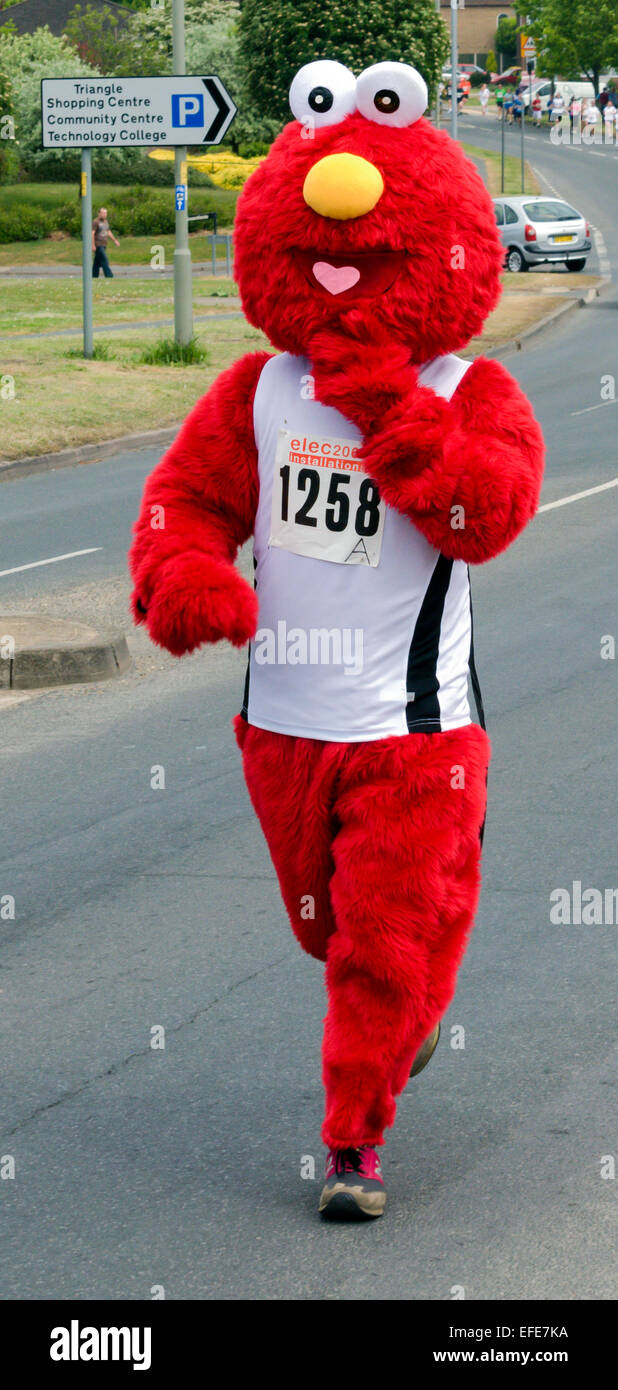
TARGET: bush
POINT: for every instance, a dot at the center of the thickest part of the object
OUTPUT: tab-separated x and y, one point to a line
108	166
25	224
252	149
134	211
478	78
101	352
168	352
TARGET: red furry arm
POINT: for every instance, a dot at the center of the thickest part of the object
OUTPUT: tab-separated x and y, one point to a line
467	471
198	507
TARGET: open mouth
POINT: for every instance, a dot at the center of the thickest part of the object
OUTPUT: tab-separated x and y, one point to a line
353	275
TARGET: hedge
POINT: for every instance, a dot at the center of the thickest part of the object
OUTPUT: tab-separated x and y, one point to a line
133	212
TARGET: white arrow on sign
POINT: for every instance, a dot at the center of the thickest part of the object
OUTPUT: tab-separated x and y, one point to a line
132	112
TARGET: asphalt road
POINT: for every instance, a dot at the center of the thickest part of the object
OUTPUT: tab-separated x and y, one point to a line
139	908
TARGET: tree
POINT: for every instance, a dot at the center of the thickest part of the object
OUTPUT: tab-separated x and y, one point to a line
574	37
214	48
507	41
153	26
28	58
9	159
278	36
103	39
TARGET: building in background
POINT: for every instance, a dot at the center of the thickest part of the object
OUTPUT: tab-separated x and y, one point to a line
477	22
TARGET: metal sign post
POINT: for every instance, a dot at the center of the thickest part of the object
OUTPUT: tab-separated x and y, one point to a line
131	113
521	122
529	54
502	147
183	290
439	89
454	61
86	200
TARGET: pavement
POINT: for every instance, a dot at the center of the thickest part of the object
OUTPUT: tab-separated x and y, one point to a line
120	272
144	899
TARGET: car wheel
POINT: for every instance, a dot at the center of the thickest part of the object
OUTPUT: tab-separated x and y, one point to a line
514	259
579	264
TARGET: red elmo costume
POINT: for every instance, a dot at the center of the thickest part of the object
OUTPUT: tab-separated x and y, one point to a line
372	466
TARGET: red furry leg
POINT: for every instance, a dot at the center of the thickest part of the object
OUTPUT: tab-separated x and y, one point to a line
290	782
404	893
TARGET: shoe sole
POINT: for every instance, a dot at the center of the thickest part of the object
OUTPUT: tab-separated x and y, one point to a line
425	1053
341	1204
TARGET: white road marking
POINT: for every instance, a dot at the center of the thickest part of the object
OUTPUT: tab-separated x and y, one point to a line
34	564
575	496
598	406
544	179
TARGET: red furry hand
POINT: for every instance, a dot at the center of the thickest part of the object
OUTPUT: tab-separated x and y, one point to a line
197	599
375	384
362	377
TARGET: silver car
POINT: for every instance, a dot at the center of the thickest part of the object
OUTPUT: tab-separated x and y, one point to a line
535	230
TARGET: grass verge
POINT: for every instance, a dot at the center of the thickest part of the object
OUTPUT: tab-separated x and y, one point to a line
512	172
44	305
61	400
133	250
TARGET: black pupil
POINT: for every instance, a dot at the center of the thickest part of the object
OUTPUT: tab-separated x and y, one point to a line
386	101
320	99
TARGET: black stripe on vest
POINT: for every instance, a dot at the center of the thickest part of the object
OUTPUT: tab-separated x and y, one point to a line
244	713
423	707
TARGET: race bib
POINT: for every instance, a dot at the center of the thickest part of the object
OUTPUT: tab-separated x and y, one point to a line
324	505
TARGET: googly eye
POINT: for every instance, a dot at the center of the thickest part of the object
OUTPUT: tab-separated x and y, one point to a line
392	94
323	93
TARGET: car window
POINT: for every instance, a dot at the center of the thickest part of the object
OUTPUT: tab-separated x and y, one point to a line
550	212
544	90
511	215
499	211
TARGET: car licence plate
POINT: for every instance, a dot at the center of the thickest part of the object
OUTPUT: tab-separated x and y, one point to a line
564	238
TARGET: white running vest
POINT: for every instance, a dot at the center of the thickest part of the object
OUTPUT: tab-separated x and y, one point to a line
364	629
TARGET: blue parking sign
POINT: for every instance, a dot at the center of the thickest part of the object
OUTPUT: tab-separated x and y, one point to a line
181	197
187	109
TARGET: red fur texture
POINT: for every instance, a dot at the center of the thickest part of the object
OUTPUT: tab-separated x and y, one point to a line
434	208
375	833
198	508
467	472
385	840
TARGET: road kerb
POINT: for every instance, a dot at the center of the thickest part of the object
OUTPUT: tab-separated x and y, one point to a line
89	453
37	652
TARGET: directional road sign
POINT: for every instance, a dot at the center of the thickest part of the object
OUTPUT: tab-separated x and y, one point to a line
133	111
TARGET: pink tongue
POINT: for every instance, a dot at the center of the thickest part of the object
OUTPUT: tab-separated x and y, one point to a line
334	278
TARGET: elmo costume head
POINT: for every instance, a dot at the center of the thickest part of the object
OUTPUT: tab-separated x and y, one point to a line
364	214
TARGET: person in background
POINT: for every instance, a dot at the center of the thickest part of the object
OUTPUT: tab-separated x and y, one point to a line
575	112
484	98
537	110
557	110
101	231
499	99
610	114
550	107
591	117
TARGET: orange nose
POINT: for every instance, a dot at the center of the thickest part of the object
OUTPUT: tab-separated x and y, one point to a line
343	186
